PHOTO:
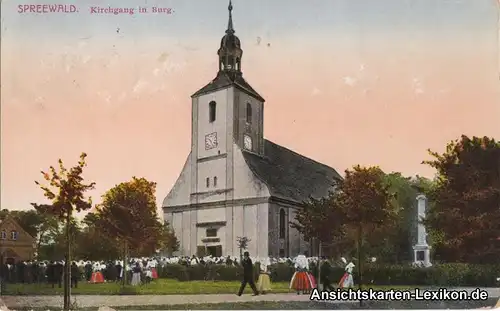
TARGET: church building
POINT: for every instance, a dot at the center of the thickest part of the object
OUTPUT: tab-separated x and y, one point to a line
235	183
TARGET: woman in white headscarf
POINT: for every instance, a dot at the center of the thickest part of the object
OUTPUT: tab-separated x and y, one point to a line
264	281
301	280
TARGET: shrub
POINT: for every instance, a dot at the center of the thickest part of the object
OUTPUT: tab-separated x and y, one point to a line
438	275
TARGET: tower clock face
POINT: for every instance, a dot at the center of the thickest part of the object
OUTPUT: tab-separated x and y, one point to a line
210	141
247	141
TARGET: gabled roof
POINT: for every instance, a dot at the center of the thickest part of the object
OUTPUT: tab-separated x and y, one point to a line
291	176
19	227
224	80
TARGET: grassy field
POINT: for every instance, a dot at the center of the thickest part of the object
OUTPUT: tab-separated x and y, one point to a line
157	287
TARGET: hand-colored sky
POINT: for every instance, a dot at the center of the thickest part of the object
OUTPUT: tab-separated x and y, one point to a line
346	82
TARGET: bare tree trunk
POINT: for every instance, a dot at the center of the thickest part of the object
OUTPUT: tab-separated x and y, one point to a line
125	255
67	264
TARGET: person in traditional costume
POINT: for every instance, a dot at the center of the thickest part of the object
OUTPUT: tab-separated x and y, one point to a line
325	272
154	272
148	272
347	280
136	274
97	276
301	280
264	281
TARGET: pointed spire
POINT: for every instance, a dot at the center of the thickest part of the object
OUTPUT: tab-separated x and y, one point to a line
230	21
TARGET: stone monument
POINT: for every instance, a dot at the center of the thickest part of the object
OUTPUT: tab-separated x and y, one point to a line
421	250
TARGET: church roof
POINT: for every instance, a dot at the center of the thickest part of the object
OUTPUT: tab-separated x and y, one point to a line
289	175
224	80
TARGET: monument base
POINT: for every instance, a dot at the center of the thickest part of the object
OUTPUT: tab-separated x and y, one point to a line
421	255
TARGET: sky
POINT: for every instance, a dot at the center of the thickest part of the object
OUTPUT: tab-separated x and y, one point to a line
346	82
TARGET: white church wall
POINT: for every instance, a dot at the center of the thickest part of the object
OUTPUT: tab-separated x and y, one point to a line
186	233
211	169
181	191
211	214
201	234
222	98
238	227
262	230
250	227
246	185
273	227
250	221
177	226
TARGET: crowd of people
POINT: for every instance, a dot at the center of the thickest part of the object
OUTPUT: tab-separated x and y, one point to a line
143	270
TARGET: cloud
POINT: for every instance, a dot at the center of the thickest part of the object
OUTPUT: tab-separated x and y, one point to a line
417	86
140	86
350	81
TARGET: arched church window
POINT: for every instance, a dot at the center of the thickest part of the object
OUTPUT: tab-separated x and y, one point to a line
282	224
208	182
215	181
249	113
212	111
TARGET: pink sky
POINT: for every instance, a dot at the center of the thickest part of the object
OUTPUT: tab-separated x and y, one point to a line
380	102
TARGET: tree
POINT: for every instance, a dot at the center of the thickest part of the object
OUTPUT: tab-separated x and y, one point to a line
366	200
359	206
466	209
243	242
128	215
66	191
323	220
168	242
93	242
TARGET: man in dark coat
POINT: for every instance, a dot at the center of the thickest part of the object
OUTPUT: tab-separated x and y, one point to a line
58	273
51	273
75	275
247	274
325	271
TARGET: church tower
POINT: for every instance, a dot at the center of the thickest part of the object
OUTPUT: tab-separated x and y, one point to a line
225	112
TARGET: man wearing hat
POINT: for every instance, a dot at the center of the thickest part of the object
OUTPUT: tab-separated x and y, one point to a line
247	274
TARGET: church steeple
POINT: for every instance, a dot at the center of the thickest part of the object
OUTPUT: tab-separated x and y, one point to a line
230	52
230	21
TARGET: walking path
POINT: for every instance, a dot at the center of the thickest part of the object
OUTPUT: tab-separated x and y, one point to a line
83	301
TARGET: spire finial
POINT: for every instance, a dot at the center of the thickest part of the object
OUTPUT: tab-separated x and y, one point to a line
230	21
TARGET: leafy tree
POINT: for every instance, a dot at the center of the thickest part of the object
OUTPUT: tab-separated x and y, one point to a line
128	215
324	220
366	200
467	200
169	242
66	191
360	206
93	242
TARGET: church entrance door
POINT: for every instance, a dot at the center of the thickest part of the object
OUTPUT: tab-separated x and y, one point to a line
215	251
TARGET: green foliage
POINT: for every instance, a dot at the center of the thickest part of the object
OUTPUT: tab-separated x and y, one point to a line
93	243
128	215
65	189
466	214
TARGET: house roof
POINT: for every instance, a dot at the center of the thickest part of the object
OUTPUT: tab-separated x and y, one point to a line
290	175
224	80
20	229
